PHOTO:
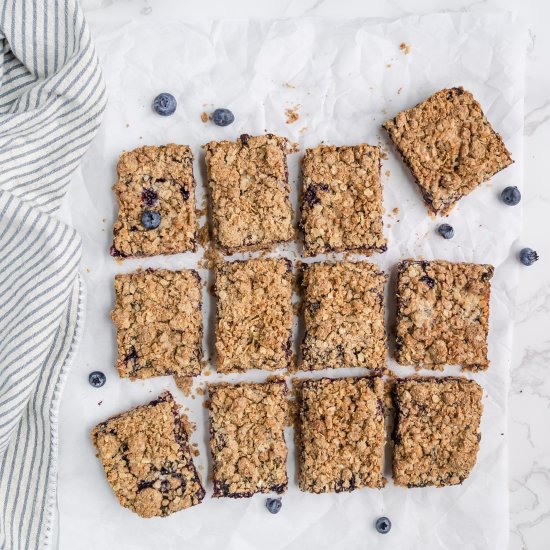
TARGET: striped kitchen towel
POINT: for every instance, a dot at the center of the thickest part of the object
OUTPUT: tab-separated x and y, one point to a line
52	97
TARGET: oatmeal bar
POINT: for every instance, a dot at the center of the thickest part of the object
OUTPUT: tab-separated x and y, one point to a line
254	315
247	438
156	200
344	316
342	202
146	456
437	430
443	314
341	434
158	319
449	146
250	192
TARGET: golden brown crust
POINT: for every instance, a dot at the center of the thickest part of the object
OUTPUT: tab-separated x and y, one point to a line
341	435
146	456
250	192
247	438
342	202
443	314
437	430
344	316
157	179
158	319
254	315
449	146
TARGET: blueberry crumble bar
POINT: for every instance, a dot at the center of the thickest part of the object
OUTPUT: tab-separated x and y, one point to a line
437	430
449	146
344	316
254	315
247	441
342	200
250	192
156	199
443	314
158	319
146	456
341	434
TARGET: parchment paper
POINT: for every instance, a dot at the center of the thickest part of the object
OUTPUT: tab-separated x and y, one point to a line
348	76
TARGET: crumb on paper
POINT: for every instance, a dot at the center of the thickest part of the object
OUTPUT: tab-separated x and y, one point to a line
289	85
184	383
383	155
127	125
293	413
207	373
203	235
395	210
211	258
119	261
292	114
189	426
387	173
99	404
405	48
204	117
200	391
303	130
388	66
88	270
400	90
388	225
206	404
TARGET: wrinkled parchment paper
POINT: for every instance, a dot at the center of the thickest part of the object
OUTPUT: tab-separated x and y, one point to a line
347	77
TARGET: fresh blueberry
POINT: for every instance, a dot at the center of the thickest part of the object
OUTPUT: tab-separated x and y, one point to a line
273	505
97	379
528	256
223	117
165	104
510	196
383	525
446	231
150	219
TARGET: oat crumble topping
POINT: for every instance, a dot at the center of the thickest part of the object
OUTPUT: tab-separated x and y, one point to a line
437	430
158	319
443	314
156	179
449	146
247	438
146	456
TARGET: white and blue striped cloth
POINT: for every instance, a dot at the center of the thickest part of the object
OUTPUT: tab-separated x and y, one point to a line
52	97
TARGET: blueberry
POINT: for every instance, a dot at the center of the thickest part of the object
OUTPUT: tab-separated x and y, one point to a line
165	104
273	505
149	196
528	256
150	219
97	379
446	231
510	196
383	525
223	117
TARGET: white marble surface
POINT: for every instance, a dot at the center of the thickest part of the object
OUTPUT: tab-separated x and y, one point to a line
530	391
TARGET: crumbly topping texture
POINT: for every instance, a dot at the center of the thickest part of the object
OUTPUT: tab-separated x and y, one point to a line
146	456
443	314
158	319
449	146
247	438
158	179
341	434
254	315
344	316
342	201
250	192
437	430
